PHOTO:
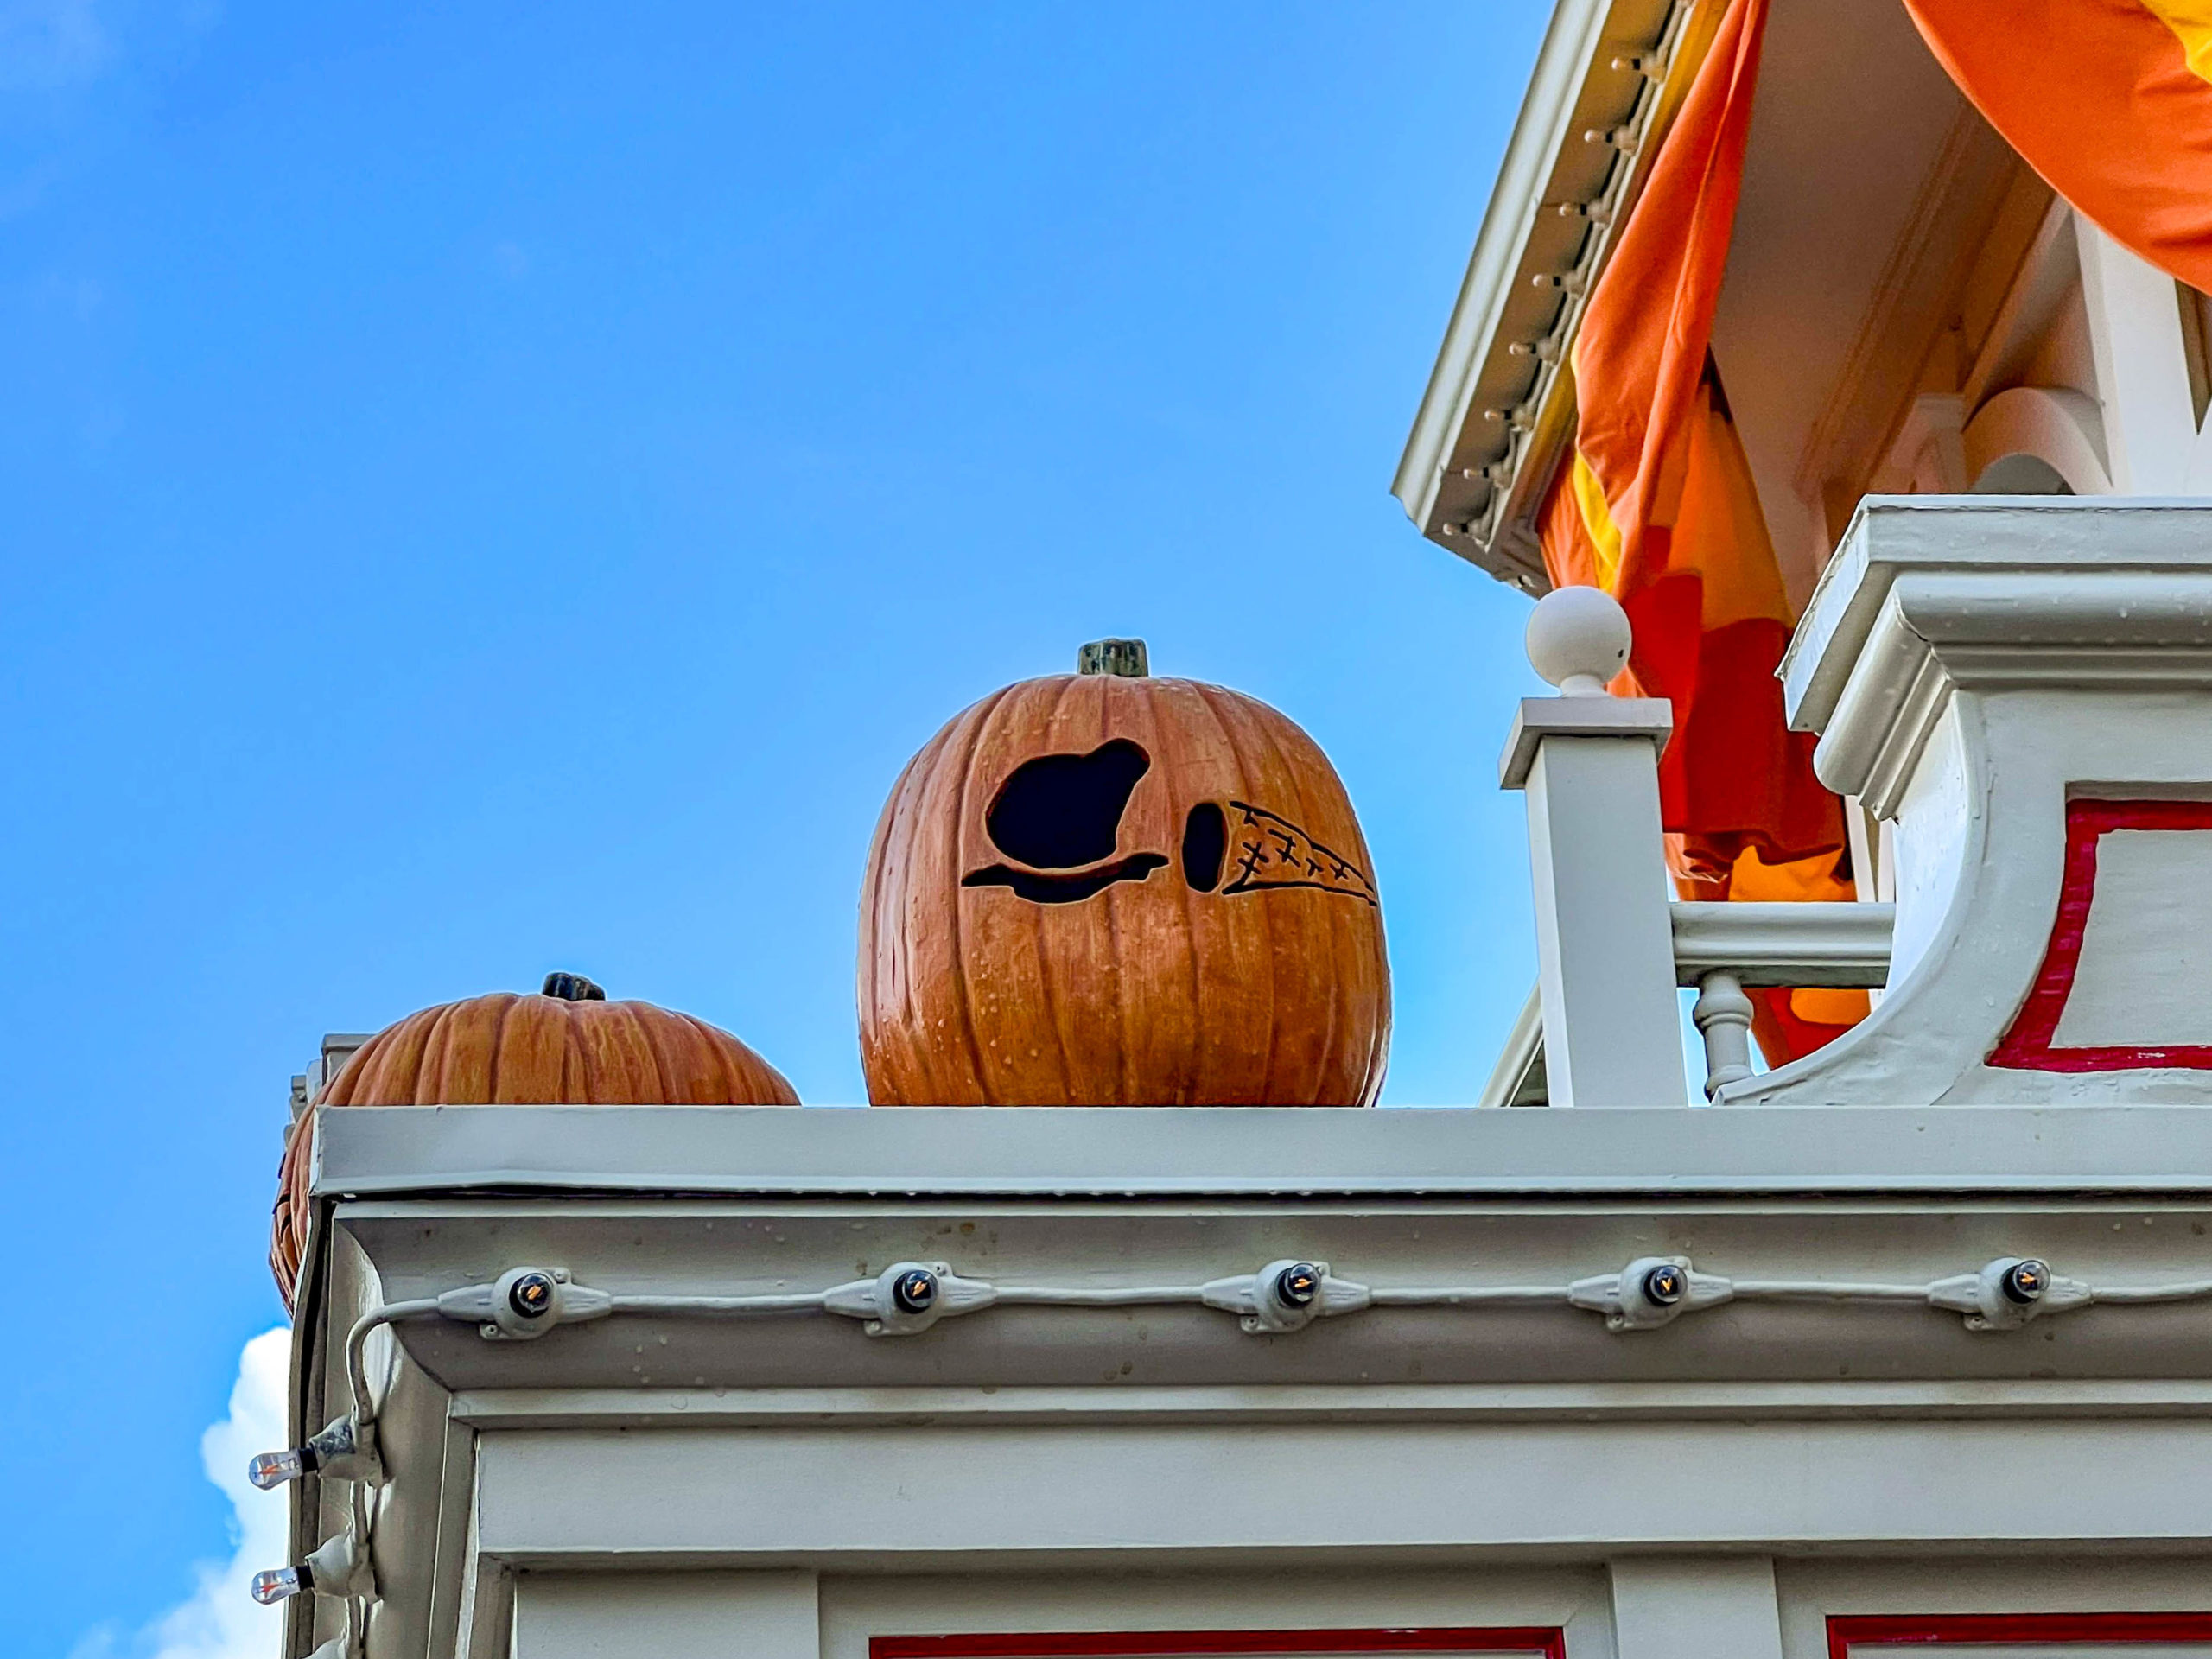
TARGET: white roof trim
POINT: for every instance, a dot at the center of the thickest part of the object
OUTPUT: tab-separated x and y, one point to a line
1062	1152
1471	476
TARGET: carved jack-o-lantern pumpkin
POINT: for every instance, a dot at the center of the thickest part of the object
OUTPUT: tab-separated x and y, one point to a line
568	1047
1106	889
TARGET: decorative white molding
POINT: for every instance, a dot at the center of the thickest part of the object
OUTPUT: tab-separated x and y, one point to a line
929	1498
1927	456
668	1615
556	1405
1972	663
2049	271
2062	429
1909	304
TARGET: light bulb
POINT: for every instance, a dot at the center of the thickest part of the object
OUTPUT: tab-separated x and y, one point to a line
2025	1282
280	1583
533	1295
270	1469
336	1567
343	1450
915	1290
1299	1284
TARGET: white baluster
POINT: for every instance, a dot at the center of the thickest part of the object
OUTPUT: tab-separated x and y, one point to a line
1723	1015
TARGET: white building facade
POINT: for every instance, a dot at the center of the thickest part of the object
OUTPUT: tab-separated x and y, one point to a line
1906	1345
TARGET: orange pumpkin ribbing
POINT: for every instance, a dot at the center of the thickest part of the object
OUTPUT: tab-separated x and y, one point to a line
507	1049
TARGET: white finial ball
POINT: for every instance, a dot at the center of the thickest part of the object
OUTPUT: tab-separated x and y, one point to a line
1579	639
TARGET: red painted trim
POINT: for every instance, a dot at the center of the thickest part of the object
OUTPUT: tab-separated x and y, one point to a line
1549	1640
2027	1045
1921	1629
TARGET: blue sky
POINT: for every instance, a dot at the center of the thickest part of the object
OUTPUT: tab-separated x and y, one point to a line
501	487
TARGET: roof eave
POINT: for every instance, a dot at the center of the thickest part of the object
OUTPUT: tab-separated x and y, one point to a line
1498	409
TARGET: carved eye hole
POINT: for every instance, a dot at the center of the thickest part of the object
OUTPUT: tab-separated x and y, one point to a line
1206	843
1063	811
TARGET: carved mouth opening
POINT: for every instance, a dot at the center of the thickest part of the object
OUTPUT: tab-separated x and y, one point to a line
1059	889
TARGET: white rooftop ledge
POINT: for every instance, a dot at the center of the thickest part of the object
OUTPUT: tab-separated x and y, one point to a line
1116	1152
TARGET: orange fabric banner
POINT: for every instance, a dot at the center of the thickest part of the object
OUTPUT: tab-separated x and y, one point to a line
1640	351
1670	519
2109	100
1732	766
1710	631
1658	505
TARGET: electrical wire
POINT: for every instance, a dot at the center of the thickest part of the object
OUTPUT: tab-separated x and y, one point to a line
364	1402
1796	1290
1130	1296
800	1302
1470	1296
1774	1290
2189	1290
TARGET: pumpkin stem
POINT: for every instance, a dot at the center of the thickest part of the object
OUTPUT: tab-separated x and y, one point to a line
1125	658
572	987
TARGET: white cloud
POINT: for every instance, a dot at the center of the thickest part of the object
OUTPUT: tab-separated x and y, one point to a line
221	1620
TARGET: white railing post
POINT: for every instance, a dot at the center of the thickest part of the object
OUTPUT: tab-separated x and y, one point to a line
1588	764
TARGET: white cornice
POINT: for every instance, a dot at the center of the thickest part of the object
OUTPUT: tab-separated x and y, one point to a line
1371	1402
1468	474
1928	595
1563	63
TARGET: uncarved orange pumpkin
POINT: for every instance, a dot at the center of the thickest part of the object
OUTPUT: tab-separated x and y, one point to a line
569	1047
1107	889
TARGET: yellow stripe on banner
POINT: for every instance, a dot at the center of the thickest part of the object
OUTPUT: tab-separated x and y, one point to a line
2191	22
1597	520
